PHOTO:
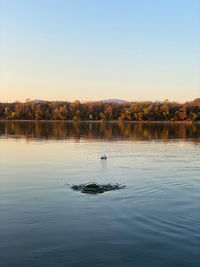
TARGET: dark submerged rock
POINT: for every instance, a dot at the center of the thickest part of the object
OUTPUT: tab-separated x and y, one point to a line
94	188
76	187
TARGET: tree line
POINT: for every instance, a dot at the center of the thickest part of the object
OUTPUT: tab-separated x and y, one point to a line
77	111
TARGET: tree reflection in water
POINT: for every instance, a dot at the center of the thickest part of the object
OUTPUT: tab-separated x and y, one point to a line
136	131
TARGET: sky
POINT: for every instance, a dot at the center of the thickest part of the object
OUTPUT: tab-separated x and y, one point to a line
99	49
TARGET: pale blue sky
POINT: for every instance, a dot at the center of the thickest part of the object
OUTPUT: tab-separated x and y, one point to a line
99	49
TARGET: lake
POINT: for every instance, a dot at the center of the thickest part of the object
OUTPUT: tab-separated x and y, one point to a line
154	221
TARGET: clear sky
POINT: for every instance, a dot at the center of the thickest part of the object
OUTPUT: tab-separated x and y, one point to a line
99	49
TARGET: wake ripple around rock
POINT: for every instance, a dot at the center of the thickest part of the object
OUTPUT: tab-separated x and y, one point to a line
94	188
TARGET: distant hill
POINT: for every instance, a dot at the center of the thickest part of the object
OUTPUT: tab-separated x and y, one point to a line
113	100
37	101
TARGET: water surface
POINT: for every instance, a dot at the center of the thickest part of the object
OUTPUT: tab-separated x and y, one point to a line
154	221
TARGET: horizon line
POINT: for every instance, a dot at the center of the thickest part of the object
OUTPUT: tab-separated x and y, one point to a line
110	100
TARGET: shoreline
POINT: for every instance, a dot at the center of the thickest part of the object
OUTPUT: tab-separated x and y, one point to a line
106	121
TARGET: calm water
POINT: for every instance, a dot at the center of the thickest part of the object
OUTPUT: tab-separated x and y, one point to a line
154	221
